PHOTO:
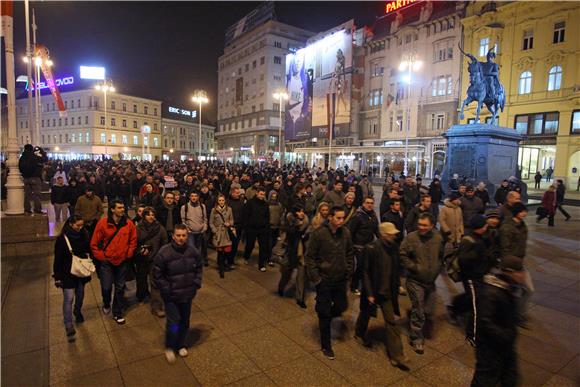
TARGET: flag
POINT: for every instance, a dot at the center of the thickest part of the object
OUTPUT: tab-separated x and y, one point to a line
42	51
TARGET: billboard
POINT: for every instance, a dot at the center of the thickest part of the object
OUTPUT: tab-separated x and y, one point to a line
88	72
318	83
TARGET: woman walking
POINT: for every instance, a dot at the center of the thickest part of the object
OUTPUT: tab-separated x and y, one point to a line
276	214
548	208
72	237
221	221
151	236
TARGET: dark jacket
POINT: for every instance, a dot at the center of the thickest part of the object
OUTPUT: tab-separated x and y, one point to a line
162	213
364	227
31	165
237	207
513	238
549	202
436	193
80	244
59	194
501	195
295	235
177	272
422	256
74	192
136	185
329	257
469	208
381	273
150	199
560	193
497	316
410	197
483	195
257	215
395	218
413	217
473	258
385	204
151	236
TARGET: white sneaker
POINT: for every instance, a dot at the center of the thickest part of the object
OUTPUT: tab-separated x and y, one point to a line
183	352
170	356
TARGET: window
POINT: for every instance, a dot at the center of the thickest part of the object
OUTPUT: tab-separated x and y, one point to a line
440	121
376	97
134	124
165	142
59	122
113	138
113	122
155	141
555	78
48	123
102	120
551	123
146	141
73	137
65	121
43	138
87	137
112	105
483	46
278	44
154	111
276	106
441	86
262	60
124	139
145	110
135	140
155	127
559	30
575	124
86	120
124	123
53	122
277	60
528	40
43	124
103	138
254	64
377	69
66	104
134	108
124	107
525	86
247	67
537	123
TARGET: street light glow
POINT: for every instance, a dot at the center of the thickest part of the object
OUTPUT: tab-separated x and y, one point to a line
417	65
403	66
280	95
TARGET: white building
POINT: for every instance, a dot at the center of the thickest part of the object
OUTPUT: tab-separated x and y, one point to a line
181	134
250	71
132	128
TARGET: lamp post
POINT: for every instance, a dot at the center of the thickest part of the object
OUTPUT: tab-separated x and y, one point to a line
106	87
199	97
412	64
281	95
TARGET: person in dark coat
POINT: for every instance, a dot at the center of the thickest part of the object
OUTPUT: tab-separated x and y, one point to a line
549	205
136	185
389	195
395	216
256	224
380	289
236	203
74	193
560	193
124	191
437	194
497	321
424	207
364	228
537	180
150	198
177	272
59	198
73	288
470	205
31	164
482	193
168	213
501	193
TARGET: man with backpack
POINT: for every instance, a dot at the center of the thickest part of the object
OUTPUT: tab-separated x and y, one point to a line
30	166
194	216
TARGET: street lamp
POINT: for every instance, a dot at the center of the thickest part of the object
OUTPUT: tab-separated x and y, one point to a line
281	95
199	97
38	62
411	64
106	87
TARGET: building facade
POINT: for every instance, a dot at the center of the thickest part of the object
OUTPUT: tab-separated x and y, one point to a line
131	129
249	72
181	135
538	51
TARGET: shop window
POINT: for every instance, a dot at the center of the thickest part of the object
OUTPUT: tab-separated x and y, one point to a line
537	124
555	78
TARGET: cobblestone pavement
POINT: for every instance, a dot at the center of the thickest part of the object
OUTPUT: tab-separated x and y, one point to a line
243	334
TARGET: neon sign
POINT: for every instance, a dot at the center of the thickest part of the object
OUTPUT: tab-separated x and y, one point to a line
183	112
393	6
58	82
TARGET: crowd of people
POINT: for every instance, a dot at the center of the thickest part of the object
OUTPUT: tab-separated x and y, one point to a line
321	224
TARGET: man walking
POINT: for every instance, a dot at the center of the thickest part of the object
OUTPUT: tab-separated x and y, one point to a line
380	288
424	207
560	193
59	198
177	272
113	243
364	228
422	256
90	208
194	216
256	225
236	203
168	213
30	166
335	198
329	264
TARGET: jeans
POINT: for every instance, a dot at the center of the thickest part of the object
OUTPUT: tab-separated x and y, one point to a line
394	342
113	275
274	233
156	301
495	366
422	306
198	241
77	294
32	192
331	301
358	272
177	323
60	213
263	242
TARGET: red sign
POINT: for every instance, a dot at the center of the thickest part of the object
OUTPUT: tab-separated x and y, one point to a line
393	6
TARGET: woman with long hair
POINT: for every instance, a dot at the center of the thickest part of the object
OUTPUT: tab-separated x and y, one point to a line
221	221
73	287
151	236
320	217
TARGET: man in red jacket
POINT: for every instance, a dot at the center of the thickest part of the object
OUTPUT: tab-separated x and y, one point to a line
114	241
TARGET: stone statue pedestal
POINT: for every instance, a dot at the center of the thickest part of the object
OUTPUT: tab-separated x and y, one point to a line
481	152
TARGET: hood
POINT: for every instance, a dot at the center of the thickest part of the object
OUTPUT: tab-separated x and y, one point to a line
448	203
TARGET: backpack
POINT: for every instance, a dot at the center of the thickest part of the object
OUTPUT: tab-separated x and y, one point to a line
452	266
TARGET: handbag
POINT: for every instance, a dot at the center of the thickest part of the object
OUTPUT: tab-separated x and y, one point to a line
80	267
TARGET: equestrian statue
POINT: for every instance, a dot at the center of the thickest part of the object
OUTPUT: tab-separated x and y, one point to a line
484	86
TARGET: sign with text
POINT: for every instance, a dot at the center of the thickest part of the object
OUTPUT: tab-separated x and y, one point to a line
393	6
176	111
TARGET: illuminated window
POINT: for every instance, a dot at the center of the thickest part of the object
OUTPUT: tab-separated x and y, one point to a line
73	137
135	140
575	124
87	137
555	78
102	120
146	141
528	43
525	86
483	46
155	141
103	138
124	139
113	138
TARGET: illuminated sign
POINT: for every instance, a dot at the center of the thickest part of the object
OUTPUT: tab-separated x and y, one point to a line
183	112
393	6
58	82
88	72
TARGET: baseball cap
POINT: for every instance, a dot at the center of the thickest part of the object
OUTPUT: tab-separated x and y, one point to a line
388	228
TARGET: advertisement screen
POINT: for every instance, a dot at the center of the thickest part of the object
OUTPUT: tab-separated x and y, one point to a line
318	82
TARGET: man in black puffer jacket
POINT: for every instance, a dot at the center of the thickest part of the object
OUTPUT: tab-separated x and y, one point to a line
177	272
30	165
257	225
364	228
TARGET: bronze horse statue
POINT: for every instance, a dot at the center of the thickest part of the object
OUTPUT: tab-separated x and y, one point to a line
483	88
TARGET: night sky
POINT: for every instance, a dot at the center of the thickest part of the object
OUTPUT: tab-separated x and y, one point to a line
161	50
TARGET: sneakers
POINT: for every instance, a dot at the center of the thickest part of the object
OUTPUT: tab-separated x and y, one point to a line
328	353
356	292
159	313
262	269
106	310
363	341
70	334
183	352
271	263
79	318
418	348
400	365
170	356
119	320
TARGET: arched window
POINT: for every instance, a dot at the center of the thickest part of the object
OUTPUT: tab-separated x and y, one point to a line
555	78
525	82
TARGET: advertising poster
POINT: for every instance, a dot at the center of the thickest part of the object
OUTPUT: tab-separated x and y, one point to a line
318	83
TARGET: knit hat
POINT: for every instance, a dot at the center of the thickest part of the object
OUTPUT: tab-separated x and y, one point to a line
469	188
477	222
388	228
511	263
454	196
517	208
492	213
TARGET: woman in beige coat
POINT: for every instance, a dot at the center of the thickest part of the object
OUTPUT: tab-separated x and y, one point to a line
221	221
451	220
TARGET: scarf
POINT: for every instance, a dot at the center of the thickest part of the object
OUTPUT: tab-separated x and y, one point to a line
169	223
149	230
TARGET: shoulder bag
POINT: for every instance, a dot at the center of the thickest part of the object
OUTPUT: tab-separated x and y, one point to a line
80	267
